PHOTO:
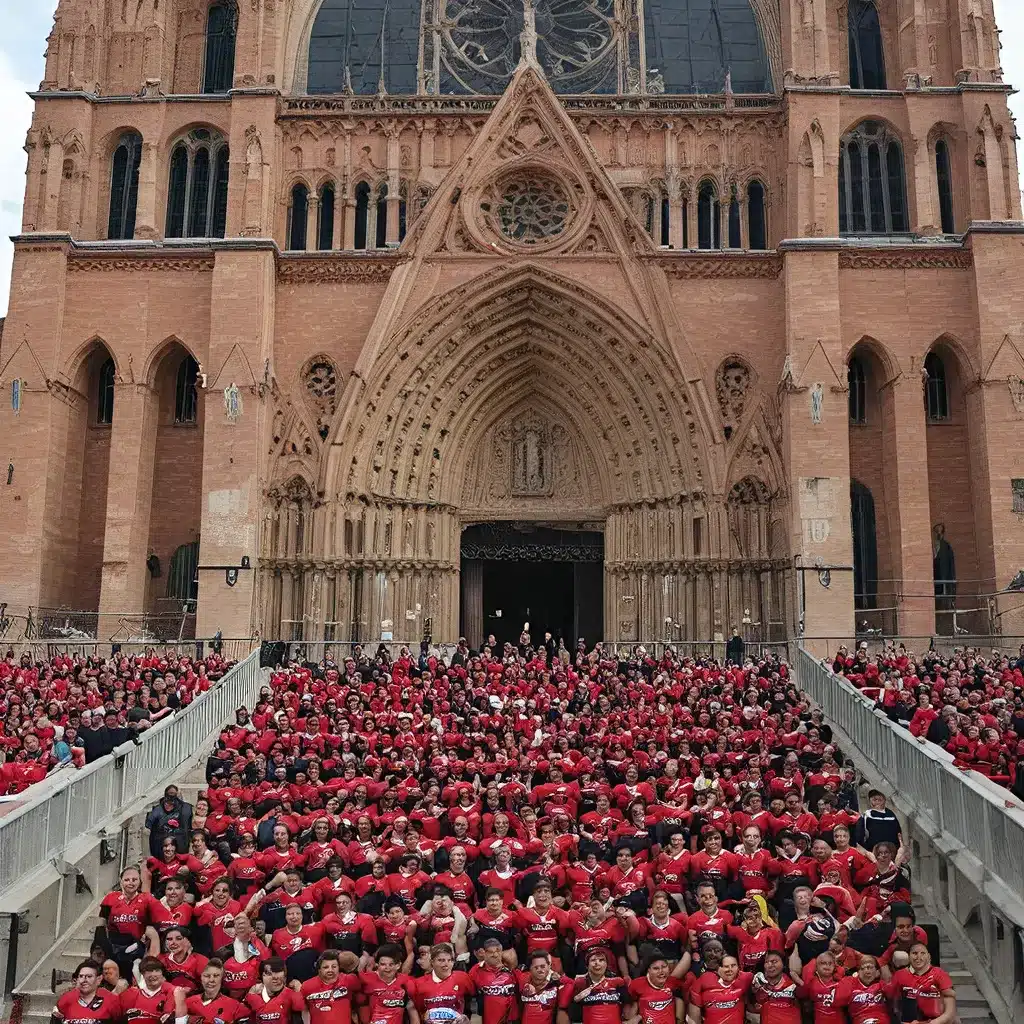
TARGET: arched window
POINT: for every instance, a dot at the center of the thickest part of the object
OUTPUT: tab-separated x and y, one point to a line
105	394
183	580
297	217
686	220
944	177
124	186
735	229
197	190
221	29
185	396
709	228
325	218
867	63
382	216
865	546
936	390
362	214
872	190
857	380
402	215
756	222
666	221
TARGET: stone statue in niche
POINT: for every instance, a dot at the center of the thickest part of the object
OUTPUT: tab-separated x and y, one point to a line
817	399
529	462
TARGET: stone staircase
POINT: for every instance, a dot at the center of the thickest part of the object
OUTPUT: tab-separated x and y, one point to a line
970	1003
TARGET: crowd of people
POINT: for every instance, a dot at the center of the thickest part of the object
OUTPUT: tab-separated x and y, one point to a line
972	704
74	709
519	838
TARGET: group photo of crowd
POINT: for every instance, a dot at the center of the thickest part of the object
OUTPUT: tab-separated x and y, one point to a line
71	710
970	703
519	835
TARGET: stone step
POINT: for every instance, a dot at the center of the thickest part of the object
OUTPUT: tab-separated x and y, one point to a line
974	1012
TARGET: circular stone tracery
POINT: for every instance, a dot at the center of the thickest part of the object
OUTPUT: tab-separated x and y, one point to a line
532	209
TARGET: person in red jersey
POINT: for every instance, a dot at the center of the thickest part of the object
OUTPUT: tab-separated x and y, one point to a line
384	992
397	928
544	924
714	864
353	932
300	944
211	1005
152	1000
775	993
182	964
866	996
496	986
128	915
630	880
824	989
272	1001
755	865
657	996
924	993
242	958
672	866
754	938
172	911
434	997
544	996
905	933
720	997
710	921
458	881
502	876
497	921
87	1003
245	873
328	888
218	913
329	994
669	933
599	993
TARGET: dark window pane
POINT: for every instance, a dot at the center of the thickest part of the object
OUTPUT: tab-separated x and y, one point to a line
707	207
876	193
185	391
756	218
663	230
362	214
199	195
856	379
936	394
124	187
897	201
401	219
856	161
220	194
382	218
735	232
298	216
105	393
325	223
865	546
221	26
867	63
686	224
944	174
176	185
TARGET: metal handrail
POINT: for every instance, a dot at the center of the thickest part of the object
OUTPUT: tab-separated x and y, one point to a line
978	815
70	804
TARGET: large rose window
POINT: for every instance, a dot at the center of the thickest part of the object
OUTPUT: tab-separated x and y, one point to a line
532	208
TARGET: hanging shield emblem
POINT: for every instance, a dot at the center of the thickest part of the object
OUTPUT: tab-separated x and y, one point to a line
231	577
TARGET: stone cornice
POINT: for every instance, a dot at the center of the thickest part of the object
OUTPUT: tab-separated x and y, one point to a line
329	564
705	265
909	258
148	261
332	268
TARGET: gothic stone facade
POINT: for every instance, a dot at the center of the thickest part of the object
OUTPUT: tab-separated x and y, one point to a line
563	320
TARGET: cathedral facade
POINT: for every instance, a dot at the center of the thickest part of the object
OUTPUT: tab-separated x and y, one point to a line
639	319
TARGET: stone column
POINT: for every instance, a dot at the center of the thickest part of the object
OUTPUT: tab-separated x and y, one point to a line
340	208
145	211
997	209
52	185
129	505
312	211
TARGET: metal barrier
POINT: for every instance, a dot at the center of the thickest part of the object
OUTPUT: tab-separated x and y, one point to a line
43	650
970	809
71	803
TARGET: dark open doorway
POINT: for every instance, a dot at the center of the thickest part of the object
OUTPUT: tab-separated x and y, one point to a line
549	576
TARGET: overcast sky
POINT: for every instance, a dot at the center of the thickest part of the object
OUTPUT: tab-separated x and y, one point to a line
25	25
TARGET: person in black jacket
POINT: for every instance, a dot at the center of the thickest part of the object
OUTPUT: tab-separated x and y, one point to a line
734	648
171	817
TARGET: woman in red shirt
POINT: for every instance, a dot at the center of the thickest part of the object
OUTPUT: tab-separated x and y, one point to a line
825	991
925	993
599	993
720	998
776	994
866	996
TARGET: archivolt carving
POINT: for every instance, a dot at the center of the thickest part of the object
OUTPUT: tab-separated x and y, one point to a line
733	382
320	381
480	349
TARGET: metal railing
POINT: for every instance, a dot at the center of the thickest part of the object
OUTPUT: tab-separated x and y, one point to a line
72	803
233	649
972	810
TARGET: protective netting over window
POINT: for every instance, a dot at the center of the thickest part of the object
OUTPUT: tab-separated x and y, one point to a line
533	209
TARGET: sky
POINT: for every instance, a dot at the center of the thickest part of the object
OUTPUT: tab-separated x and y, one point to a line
25	25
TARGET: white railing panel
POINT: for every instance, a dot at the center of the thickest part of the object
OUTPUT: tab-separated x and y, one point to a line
74	802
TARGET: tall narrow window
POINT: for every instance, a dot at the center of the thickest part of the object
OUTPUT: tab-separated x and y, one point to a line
325	218
298	216
867	63
182	579
185	403
402	216
362	214
756	223
709	229
666	220
872	182
124	186
735	229
857	380
686	223
197	188
382	217
105	394
936	390
865	546
944	176
221	30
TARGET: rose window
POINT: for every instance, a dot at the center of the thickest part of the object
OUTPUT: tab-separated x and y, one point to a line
532	210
